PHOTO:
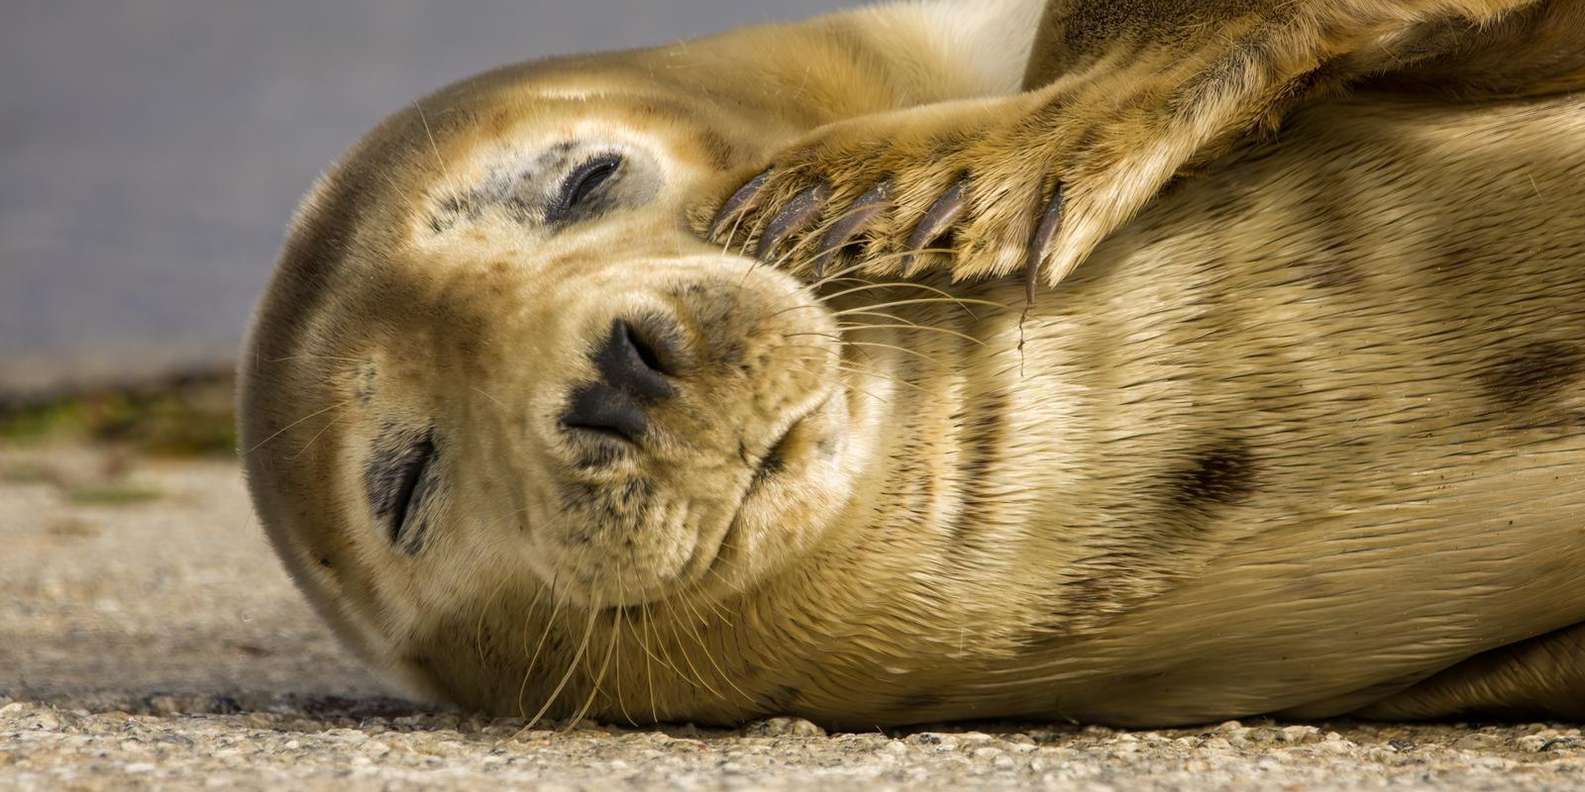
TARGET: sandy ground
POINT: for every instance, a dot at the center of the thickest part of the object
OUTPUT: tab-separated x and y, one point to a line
148	638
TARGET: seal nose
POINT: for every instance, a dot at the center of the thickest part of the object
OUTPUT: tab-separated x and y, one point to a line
632	375
631	362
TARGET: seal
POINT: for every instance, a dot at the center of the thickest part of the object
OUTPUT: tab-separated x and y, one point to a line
1303	438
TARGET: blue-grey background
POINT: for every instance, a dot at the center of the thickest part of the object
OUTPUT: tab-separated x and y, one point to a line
151	151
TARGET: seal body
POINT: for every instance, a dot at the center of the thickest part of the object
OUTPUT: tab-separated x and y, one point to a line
1303	438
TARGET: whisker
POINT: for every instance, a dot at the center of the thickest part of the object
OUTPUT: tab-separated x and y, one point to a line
480	391
599	679
686	600
894	379
616	629
311	356
572	668
872	285
684	650
871	261
649	671
533	659
911	326
310	444
919	301
440	164
876	344
961	302
484	610
296	423
644	611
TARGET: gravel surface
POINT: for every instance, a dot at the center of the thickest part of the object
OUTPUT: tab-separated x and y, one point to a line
148	638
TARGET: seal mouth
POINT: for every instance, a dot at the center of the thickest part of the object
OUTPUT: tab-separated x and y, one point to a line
772	462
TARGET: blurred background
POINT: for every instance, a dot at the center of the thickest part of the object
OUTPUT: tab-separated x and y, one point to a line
151	151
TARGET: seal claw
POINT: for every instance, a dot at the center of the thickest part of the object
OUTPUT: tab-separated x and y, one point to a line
1040	243
864	210
735	205
799	212
940	217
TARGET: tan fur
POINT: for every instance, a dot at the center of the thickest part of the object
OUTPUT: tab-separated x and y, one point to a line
1123	95
1304	437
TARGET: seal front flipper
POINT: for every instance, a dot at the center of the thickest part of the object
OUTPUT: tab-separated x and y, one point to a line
1124	94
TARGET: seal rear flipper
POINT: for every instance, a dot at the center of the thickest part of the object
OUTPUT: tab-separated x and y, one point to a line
1540	678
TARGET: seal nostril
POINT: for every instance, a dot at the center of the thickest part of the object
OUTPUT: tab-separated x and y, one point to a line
631	361
643	348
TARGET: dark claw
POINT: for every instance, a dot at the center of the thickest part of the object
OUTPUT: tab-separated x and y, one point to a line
1040	244
938	218
803	209
866	208
736	204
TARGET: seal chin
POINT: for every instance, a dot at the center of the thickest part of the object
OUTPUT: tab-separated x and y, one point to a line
630	541
788	463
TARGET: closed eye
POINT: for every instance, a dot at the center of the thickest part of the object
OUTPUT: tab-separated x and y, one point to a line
409	493
400	479
583	182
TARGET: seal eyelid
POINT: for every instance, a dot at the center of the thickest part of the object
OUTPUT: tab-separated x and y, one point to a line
410	490
585	179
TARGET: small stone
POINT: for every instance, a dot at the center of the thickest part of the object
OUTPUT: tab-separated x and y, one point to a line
163	705
784	727
1548	740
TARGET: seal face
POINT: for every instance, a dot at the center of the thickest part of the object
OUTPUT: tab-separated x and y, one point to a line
538	355
533	446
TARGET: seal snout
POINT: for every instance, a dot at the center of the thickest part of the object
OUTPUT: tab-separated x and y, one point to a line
635	362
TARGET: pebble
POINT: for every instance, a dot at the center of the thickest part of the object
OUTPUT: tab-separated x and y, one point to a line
784	727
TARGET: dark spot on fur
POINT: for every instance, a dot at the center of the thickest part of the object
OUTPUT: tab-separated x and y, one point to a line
985	429
325	562
1333	263
1330	272
1532	375
1220	475
781	700
828	445
919	702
